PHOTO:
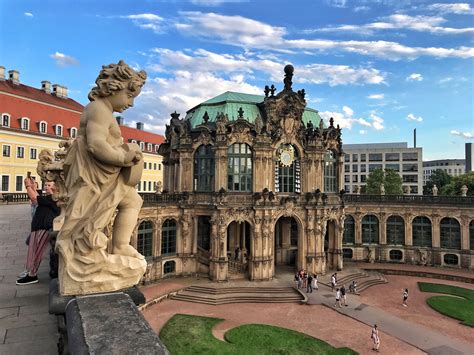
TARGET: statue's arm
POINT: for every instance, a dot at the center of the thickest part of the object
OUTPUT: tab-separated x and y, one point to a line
97	132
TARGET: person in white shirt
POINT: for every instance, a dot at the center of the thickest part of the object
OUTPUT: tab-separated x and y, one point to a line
338	299
375	338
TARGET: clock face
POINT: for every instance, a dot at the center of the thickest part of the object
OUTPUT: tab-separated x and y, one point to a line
286	157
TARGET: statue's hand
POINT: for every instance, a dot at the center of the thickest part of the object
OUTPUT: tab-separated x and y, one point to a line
129	157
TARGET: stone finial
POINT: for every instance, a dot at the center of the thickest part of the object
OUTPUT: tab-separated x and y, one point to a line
175	115
272	90
464	191
205	118
435	190
241	113
289	69
267	90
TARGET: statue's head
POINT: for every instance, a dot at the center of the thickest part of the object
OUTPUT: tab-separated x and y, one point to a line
114	78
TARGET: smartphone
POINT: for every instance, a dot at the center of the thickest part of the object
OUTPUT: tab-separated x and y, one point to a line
28	174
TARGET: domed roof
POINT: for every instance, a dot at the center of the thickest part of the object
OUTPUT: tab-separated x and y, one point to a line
229	103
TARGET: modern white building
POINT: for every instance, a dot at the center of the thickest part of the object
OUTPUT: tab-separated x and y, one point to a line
453	167
361	159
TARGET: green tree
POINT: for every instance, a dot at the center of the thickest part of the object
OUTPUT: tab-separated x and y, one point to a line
454	187
389	178
439	178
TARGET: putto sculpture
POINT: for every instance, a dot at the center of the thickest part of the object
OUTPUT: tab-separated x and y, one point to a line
100	174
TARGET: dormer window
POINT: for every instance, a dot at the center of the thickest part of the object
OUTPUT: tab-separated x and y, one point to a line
134	141
157	147
149	147
6	120
58	130
43	127
25	123
73	132
142	146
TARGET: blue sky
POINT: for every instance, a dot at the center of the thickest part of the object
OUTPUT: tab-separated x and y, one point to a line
381	68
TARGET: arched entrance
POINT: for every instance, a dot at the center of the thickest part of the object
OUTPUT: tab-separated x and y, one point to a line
286	242
238	246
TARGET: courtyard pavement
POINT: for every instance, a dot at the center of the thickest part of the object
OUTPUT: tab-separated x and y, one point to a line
26	327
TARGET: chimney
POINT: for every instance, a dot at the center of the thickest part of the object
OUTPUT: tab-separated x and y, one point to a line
14	76
119	120
64	91
414	138
2	73
46	86
58	90
140	126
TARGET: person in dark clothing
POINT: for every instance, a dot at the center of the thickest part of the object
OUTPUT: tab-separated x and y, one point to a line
42	222
309	288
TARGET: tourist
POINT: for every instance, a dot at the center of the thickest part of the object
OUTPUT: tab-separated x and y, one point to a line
338	298
353	286
315	282
343	294
309	287
297	280
375	338
333	282
305	279
42	222
405	297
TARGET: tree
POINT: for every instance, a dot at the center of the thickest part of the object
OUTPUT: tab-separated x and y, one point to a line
389	178
454	187
439	178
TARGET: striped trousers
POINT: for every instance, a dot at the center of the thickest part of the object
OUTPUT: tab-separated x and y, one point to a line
38	244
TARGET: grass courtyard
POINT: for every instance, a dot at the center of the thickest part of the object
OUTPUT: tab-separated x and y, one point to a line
186	334
458	305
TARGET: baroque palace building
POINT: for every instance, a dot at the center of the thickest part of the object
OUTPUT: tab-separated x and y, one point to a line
35	119
253	182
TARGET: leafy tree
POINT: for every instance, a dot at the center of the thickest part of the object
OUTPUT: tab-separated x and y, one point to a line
439	178
389	178
454	187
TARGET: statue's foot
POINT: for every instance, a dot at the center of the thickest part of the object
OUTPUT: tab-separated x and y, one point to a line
127	250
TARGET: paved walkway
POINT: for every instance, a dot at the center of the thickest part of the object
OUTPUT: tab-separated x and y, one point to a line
26	327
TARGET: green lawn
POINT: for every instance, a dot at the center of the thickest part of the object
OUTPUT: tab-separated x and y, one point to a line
460	307
185	334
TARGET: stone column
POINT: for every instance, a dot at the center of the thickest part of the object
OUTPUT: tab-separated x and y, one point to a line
383	228
435	236
185	172
408	219
220	165
465	233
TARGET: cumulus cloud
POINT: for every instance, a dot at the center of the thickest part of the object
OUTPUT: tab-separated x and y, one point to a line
147	21
362	131
376	96
430	24
467	135
414	77
212	2
459	8
345	119
28	14
412	117
64	60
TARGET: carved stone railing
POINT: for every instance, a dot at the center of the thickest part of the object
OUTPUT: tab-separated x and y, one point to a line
14	197
237	266
410	199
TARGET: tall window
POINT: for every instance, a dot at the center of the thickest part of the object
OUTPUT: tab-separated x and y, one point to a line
5	120
25	124
204	232
6	151
203	169
168	237
59	130
349	230
43	126
330	172
19	183
421	232
239	168
471	235
73	132
5	182
145	238
20	152
33	153
370	230
395	230
450	233
288	177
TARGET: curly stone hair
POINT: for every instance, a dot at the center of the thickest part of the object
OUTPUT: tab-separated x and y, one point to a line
115	77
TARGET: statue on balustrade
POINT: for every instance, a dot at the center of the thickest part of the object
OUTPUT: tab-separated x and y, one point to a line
100	176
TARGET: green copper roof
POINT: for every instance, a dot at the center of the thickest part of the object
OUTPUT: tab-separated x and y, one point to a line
230	102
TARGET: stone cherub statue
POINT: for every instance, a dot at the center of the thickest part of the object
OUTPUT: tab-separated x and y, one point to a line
100	176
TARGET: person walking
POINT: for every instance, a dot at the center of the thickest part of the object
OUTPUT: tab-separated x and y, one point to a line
309	288
297	280
343	295
333	282
375	338
405	298
338	298
315	282
42	222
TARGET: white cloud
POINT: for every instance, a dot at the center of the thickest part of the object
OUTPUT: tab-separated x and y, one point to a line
414	77
28	14
429	24
213	2
412	117
337	3
64	60
459	8
377	122
376	96
467	135
445	80
346	119
348	111
362	131
146	21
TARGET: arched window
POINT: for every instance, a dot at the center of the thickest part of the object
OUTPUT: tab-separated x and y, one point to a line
451	259
25	123
450	233
58	130
145	238
239	168
421	232
396	255
330	172
349	230
204	169
169	267
5	120
43	127
395	230
168	237
370	230
288	171
471	235
73	132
